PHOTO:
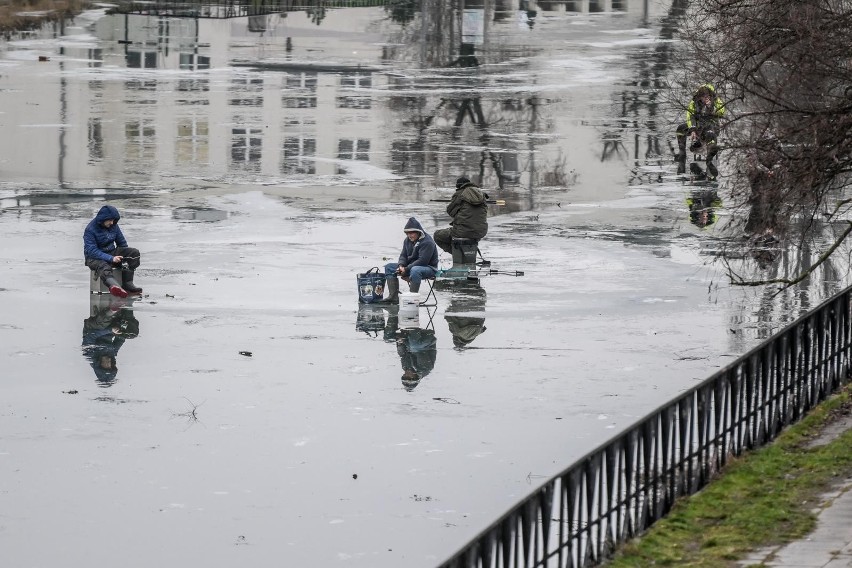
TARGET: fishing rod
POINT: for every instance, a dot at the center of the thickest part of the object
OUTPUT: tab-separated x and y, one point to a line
496	271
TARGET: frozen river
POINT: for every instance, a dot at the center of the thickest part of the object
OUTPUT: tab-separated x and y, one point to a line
257	416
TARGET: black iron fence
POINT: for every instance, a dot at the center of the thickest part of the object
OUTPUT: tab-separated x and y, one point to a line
616	491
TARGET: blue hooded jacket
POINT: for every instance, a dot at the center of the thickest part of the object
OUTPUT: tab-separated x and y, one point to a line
98	241
421	252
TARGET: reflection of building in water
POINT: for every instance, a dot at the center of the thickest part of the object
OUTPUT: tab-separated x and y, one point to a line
109	324
161	95
290	121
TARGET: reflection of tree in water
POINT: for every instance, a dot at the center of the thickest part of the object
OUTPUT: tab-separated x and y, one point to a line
779	307
316	11
639	106
478	127
402	11
445	132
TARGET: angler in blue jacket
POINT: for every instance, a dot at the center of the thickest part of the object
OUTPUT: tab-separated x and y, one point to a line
105	249
418	260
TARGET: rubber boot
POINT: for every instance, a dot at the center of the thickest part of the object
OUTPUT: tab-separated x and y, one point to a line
414	288
680	158
114	288
712	172
393	291
129	286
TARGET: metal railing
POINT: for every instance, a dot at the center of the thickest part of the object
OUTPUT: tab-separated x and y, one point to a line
616	491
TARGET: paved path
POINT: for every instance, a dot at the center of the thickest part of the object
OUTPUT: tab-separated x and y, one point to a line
830	545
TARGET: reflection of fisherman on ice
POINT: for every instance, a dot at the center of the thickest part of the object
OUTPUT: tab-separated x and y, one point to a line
702	205
700	130
465	314
111	322
416	346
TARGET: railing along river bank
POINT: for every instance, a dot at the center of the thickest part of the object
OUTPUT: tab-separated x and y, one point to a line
578	517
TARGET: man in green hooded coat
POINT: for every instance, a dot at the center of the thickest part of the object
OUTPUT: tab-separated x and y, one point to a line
469	212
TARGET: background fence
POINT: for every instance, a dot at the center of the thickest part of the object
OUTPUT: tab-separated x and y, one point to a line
232	8
619	489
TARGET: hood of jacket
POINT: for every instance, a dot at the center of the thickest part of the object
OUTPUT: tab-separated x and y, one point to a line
707	86
106	213
472	194
414	225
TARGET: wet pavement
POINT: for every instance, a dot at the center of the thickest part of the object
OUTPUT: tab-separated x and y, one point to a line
828	546
255	412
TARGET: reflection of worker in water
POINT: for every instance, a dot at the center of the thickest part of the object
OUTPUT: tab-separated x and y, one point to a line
417	349
465	315
104	332
702	207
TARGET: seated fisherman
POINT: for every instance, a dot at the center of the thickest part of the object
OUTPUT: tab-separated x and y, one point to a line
469	212
105	249
418	260
702	121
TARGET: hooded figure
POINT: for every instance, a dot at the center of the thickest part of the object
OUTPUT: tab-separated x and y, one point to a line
418	260
105	248
702	121
469	213
104	332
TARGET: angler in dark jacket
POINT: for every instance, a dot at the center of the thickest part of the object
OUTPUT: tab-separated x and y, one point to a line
469	213
418	260
702	121
105	249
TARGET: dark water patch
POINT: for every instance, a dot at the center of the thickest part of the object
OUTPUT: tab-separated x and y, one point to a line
41	199
203	214
160	272
116	400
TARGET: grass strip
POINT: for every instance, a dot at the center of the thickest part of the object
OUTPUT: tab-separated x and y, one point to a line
765	498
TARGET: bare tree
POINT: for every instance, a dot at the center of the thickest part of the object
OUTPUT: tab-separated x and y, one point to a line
784	71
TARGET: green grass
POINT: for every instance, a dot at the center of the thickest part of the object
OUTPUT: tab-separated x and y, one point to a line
764	498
